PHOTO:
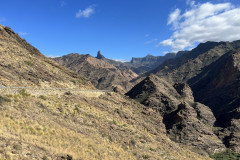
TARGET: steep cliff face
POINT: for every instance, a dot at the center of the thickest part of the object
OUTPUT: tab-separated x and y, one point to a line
212	71
218	87
186	121
102	74
23	65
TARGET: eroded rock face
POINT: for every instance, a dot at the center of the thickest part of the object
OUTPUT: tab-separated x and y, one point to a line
186	121
184	90
184	126
218	87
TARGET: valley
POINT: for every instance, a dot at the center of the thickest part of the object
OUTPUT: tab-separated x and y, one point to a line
178	106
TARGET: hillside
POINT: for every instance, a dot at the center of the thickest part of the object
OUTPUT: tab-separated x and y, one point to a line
36	125
218	86
212	71
187	122
23	65
102	74
78	127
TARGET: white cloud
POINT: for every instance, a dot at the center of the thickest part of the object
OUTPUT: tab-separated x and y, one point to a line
201	23
85	13
121	60
174	17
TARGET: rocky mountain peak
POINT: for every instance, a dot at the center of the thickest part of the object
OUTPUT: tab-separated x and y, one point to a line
99	55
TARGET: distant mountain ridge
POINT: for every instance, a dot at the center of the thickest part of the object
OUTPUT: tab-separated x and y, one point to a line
102	74
191	63
139	65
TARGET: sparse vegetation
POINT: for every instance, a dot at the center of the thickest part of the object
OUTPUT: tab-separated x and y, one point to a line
29	63
45	158
145	156
17	147
228	155
24	93
43	97
95	132
4	99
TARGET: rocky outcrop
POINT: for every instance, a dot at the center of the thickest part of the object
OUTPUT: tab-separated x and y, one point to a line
185	126
100	56
184	90
186	121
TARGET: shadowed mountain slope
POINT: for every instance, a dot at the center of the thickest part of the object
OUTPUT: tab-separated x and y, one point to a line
218	86
192	63
212	71
187	122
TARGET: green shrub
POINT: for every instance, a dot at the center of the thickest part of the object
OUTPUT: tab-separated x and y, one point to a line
45	158
24	93
145	156
43	97
17	147
28	63
4	99
228	155
133	142
77	109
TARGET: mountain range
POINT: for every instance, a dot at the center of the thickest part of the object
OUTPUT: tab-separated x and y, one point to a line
178	106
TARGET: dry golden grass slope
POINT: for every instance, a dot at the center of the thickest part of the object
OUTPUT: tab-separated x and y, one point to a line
109	127
23	65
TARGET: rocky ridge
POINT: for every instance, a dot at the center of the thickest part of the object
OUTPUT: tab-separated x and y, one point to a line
212	71
102	74
187	122
139	65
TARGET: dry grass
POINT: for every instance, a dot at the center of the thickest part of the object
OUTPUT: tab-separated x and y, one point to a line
109	127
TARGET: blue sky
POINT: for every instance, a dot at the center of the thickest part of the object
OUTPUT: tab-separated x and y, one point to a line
121	29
